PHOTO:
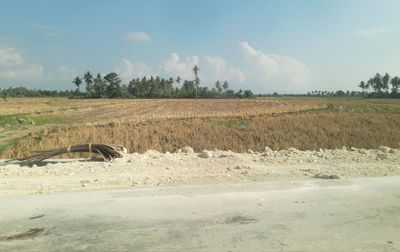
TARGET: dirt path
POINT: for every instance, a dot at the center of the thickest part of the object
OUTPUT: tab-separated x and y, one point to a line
209	167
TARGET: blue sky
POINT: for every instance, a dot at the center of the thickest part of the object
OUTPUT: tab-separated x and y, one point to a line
266	46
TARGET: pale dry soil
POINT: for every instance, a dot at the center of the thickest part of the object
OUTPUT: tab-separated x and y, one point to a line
152	169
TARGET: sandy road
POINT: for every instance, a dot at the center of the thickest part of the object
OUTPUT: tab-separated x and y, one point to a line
318	215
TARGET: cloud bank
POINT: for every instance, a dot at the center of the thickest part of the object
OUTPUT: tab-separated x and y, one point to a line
10	57
260	71
129	70
31	72
136	38
371	31
175	67
272	69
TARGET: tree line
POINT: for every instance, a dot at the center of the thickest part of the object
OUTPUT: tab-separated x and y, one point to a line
337	93
111	86
25	92
381	86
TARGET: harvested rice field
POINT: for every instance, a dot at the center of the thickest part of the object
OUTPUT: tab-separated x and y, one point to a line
238	125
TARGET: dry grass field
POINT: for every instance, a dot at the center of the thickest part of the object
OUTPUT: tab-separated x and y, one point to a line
167	125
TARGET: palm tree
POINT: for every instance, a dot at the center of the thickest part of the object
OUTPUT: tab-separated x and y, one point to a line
98	86
88	77
225	85
385	82
363	86
377	83
178	79
196	70
395	85
77	81
218	86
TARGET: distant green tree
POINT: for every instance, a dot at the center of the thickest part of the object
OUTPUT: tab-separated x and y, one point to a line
188	89
99	86
4	95
178	80
218	87
239	93
385	82
88	77
225	85
377	83
363	86
247	94
395	82
340	93
77	82
113	85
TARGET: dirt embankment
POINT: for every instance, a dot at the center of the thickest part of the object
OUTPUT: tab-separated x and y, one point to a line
187	167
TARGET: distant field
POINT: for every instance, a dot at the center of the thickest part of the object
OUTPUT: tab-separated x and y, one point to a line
167	125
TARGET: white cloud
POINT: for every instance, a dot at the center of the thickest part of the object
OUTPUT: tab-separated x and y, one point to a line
137	37
370	31
129	70
10	57
273	68
219	70
174	67
33	71
66	73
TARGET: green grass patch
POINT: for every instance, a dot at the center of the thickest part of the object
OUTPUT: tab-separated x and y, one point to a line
13	122
228	123
371	108
44	120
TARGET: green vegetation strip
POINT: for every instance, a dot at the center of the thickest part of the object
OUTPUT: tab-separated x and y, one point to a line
12	122
228	123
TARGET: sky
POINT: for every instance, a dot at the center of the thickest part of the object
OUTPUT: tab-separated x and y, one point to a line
284	46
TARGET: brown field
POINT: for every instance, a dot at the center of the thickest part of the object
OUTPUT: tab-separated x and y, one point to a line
167	125
123	110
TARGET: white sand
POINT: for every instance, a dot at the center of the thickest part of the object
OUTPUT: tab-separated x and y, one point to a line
172	169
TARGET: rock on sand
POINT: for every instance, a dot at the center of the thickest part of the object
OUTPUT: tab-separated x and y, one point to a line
205	154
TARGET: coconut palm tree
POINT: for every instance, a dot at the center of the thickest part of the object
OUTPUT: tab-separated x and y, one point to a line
363	86
395	85
178	79
77	81
225	85
88	77
196	70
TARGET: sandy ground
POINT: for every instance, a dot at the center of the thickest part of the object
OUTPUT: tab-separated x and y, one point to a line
188	168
